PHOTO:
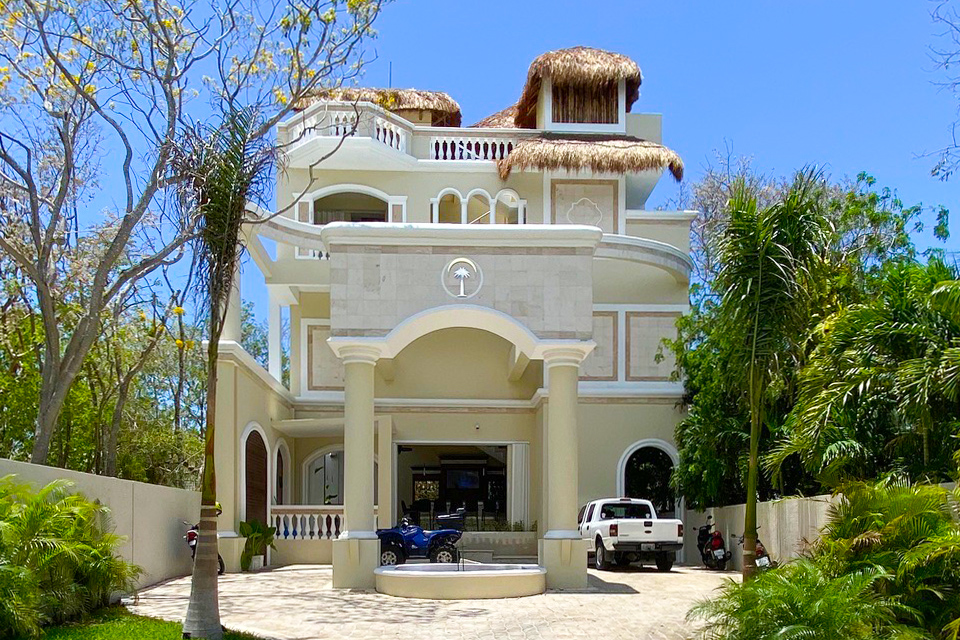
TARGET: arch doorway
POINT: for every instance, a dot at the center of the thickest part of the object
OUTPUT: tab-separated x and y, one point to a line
645	471
255	489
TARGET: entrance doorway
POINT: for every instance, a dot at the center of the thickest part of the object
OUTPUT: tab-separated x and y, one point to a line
437	479
646	475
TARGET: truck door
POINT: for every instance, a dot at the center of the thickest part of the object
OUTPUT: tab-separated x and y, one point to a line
585	525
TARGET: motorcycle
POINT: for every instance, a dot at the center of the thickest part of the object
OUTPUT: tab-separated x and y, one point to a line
763	559
712	549
408	540
192	537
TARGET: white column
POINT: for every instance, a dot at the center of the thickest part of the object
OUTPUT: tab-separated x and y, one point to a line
231	323
356	553
562	552
274	347
518	482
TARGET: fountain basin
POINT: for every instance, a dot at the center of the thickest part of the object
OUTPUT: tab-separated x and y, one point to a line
439	581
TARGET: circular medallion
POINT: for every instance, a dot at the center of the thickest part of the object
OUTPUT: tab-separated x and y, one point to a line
462	278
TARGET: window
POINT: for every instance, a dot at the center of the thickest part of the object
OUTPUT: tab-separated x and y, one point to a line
325	479
507	209
626	510
478	209
590	514
349	207
586	104
449	210
580	515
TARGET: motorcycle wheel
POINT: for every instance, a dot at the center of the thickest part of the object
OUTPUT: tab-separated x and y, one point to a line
721	565
220	567
445	553
391	555
601	561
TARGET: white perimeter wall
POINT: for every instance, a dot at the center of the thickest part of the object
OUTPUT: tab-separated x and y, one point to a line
149	516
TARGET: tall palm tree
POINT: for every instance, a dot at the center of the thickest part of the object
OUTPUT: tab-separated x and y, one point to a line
225	168
767	257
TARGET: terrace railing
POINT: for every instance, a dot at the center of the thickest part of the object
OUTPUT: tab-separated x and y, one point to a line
308	522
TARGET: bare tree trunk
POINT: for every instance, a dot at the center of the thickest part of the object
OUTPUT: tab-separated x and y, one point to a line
203	610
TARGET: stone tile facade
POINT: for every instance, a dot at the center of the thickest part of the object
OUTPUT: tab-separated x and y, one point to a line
374	288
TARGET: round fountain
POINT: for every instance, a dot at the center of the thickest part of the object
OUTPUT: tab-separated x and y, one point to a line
464	581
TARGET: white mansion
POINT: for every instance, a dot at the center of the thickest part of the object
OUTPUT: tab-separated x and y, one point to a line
475	317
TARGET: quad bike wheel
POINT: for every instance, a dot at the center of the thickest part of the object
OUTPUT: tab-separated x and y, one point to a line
391	555
602	558
445	553
664	561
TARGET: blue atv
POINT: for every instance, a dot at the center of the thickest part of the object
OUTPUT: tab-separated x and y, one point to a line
408	540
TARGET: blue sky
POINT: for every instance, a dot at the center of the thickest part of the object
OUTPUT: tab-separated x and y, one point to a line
847	84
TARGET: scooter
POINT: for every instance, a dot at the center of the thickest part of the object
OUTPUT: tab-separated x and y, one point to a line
764	561
713	551
407	540
192	537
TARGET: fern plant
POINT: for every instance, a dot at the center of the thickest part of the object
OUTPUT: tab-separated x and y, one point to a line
803	600
57	557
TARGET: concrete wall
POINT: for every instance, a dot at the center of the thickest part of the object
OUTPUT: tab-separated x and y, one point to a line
149	516
786	527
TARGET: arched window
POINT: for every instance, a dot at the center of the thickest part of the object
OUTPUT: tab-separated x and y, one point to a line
349	207
478	208
278	488
324	478
255	477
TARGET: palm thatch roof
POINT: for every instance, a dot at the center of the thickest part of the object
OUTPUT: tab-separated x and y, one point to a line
576	66
393	100
503	119
590	152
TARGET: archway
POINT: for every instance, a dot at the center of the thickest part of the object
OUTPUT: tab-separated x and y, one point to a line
255	478
644	472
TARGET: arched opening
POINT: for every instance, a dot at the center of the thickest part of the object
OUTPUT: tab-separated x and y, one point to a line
449	209
255	478
349	207
478	209
508	208
323	479
646	475
280	480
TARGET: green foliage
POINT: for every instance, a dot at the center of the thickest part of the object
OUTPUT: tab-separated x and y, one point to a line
864	231
802	600
911	532
116	623
258	538
57	557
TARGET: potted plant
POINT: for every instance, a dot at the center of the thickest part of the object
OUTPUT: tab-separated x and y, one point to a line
258	538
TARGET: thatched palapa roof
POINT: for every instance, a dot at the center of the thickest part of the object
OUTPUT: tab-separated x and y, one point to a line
576	66
503	119
594	152
393	100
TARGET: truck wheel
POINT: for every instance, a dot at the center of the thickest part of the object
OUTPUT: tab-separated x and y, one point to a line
391	555
664	561
602	561
445	553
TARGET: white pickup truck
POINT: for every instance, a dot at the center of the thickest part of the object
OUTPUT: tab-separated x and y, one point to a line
625	530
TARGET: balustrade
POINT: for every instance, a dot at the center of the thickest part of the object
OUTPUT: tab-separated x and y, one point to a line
470	147
307	522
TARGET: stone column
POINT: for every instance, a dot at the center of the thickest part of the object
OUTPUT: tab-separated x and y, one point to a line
518	482
231	323
562	552
356	553
274	346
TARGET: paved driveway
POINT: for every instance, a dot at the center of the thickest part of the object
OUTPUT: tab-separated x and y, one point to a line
298	603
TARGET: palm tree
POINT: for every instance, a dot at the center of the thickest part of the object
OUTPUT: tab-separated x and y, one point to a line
225	168
766	258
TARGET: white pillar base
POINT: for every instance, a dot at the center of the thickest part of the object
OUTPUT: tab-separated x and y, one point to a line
354	560
565	559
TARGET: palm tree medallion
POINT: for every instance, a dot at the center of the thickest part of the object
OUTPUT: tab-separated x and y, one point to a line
462	270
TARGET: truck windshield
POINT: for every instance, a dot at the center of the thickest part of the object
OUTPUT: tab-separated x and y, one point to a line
627	510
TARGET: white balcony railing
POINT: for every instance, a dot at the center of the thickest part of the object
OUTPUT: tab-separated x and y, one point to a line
470	146
307	521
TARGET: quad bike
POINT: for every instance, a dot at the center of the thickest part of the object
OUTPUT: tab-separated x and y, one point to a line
407	540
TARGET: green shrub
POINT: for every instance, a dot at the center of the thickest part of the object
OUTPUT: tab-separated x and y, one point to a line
258	538
911	532
802	600
57	557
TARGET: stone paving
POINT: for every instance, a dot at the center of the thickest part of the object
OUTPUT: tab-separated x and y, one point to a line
299	603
